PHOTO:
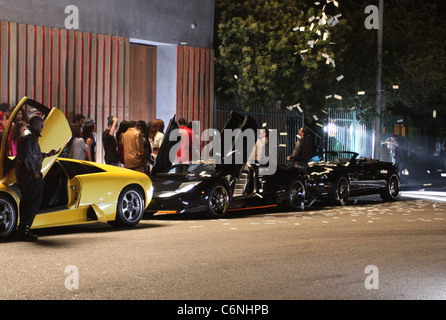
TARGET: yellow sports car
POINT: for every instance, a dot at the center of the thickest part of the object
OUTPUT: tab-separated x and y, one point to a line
75	192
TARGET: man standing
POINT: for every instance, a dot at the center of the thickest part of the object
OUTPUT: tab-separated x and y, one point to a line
133	143
109	142
28	168
298	148
261	148
184	152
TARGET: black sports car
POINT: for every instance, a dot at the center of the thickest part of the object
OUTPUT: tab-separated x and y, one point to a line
343	174
216	187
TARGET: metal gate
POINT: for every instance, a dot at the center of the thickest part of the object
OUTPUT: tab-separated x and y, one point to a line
342	130
287	124
345	133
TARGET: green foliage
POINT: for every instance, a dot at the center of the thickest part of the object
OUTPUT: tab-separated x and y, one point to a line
260	58
413	58
415	45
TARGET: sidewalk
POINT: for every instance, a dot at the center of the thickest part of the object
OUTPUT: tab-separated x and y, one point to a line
437	184
427	189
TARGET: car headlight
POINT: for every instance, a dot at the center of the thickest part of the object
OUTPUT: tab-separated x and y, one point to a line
186	186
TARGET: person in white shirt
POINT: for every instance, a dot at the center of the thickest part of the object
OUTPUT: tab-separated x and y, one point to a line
260	147
156	135
78	148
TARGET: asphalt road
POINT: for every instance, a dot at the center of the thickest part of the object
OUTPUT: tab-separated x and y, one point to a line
320	253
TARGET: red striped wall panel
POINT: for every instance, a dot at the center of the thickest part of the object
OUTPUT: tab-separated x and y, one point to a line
81	72
195	85
78	72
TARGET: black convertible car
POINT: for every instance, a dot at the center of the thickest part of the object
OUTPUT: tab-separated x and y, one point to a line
218	187
343	174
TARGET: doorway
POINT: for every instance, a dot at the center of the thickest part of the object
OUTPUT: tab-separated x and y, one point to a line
142	99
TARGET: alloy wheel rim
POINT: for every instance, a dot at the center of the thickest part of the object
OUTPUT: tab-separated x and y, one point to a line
393	187
6	216
132	206
343	190
219	200
297	193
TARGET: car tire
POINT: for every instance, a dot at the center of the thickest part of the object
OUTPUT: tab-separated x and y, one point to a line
218	201
130	208
8	217
296	195
342	191
392	189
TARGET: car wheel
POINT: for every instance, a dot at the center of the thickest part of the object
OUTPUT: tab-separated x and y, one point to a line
218	201
342	191
296	195
8	217
392	189
130	207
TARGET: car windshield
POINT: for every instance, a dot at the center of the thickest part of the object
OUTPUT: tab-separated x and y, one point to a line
191	168
340	157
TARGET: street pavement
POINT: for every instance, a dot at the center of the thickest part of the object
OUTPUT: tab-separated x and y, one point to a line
366	250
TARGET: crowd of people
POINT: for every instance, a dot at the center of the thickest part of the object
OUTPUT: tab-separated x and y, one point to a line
130	144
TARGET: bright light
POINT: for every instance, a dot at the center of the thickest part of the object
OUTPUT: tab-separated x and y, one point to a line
426	195
331	128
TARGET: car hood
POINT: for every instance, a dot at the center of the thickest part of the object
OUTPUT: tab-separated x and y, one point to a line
168	183
322	165
55	135
321	169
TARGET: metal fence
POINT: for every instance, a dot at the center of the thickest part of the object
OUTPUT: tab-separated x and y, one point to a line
345	133
341	130
287	124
